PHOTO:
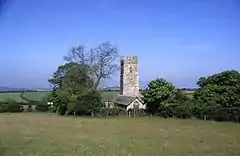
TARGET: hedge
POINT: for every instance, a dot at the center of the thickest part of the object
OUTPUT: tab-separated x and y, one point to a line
12	108
42	108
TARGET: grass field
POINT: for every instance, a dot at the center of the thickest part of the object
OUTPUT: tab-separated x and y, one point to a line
38	96
16	96
35	96
11	95
30	134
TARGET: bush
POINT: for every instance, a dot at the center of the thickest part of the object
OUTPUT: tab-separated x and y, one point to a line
111	112
159	94
3	108
14	108
217	95
42	108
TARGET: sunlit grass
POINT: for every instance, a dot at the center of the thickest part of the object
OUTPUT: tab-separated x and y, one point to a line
32	134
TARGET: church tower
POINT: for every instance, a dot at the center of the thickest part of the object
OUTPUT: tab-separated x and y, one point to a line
129	76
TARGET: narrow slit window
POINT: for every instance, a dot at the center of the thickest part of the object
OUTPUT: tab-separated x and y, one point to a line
130	69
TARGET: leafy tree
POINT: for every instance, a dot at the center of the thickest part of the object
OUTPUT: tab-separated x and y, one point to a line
90	102
181	97
218	95
72	90
69	79
100	60
159	95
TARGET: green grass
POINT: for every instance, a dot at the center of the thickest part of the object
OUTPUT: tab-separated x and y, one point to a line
107	96
49	135
16	96
189	94
38	96
4	97
35	96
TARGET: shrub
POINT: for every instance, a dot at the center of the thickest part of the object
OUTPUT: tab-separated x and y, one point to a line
159	94
14	108
111	112
41	108
218	96
3	108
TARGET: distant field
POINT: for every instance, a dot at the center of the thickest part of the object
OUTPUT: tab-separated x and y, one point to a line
33	134
34	96
106	96
11	95
189	94
38	96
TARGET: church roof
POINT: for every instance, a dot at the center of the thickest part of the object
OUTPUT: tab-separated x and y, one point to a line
124	100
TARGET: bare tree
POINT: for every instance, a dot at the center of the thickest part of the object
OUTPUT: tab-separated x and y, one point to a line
100	60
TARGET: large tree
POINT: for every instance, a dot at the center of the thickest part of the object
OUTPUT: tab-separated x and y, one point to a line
101	61
218	95
159	95
70	82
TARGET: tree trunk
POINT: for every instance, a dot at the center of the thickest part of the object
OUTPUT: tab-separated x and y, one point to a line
97	83
92	113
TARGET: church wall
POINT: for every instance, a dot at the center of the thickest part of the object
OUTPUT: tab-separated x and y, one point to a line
129	78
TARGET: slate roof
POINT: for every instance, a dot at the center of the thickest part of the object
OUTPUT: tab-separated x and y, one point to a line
123	100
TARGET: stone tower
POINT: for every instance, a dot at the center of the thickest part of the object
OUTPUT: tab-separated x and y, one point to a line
129	77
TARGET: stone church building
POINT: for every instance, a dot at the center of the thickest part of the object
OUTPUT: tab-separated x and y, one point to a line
129	97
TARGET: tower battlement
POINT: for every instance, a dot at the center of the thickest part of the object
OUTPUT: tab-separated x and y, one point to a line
129	59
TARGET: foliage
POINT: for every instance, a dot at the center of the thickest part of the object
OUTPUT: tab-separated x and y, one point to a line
218	96
100	61
70	79
159	95
14	108
3	108
117	111
89	102
180	97
11	106
163	99
72	90
42	108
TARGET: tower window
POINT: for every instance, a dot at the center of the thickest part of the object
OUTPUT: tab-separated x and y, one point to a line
130	69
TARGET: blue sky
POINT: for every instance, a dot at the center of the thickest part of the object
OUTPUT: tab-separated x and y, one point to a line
177	40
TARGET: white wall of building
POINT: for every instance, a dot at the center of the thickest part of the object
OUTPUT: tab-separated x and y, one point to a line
136	101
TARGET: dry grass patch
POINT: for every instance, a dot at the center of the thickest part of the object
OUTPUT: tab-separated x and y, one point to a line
32	134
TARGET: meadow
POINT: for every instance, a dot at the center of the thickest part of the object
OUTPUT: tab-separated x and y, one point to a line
39	95
36	134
